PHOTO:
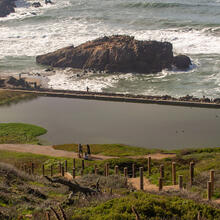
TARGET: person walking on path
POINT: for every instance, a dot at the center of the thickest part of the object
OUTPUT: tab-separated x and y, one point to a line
80	151
88	150
86	156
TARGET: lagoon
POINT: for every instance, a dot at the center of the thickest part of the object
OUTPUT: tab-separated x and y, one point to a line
146	125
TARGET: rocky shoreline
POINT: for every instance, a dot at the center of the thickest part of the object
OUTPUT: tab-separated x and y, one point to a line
11	82
35	85
7	7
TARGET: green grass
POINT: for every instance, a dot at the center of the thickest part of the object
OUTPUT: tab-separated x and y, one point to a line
118	150
8	97
204	161
19	133
148	206
18	159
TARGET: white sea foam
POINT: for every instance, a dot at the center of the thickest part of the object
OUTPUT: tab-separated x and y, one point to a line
68	81
35	39
24	9
185	41
23	38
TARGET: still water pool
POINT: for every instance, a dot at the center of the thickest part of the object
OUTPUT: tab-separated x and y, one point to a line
147	125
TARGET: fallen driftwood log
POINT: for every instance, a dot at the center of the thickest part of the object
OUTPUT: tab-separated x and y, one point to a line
74	187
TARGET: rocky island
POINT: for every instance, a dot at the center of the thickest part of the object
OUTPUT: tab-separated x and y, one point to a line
118	53
7	7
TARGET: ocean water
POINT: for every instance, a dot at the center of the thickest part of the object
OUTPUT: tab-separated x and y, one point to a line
193	27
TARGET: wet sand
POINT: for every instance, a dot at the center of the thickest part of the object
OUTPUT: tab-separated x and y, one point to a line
146	125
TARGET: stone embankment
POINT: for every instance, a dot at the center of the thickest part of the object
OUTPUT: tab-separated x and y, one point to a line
7	7
117	53
165	99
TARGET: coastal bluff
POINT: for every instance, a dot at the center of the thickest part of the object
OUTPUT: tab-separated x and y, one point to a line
117	53
7	7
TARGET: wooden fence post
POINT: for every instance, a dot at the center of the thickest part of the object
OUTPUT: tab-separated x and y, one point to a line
191	173
133	170
74	163
209	190
66	166
149	165
160	184
180	182
126	172
43	170
161	171
174	173
51	170
141	178
32	168
116	170
62	170
74	173
212	179
107	169
83	164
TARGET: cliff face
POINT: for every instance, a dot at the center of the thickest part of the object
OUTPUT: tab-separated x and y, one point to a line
113	54
7	7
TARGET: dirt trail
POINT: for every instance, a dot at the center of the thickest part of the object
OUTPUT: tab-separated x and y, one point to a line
46	150
156	156
148	186
50	151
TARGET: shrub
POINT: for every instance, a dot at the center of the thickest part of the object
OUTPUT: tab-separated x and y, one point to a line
149	207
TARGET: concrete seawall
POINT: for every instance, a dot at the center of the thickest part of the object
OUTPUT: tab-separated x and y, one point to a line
115	97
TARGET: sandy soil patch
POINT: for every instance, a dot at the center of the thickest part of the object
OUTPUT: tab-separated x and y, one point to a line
156	156
135	182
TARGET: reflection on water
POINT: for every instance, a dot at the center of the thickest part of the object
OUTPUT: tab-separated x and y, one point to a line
89	121
26	98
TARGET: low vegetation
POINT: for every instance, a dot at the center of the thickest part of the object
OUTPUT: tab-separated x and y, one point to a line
148	206
19	133
117	150
24	196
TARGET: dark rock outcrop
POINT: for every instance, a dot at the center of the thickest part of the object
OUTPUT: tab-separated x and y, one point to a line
117	53
11	82
113	54
181	62
36	4
7	7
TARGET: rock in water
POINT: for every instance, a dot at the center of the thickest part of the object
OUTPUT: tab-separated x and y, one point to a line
117	53
181	62
36	4
7	7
